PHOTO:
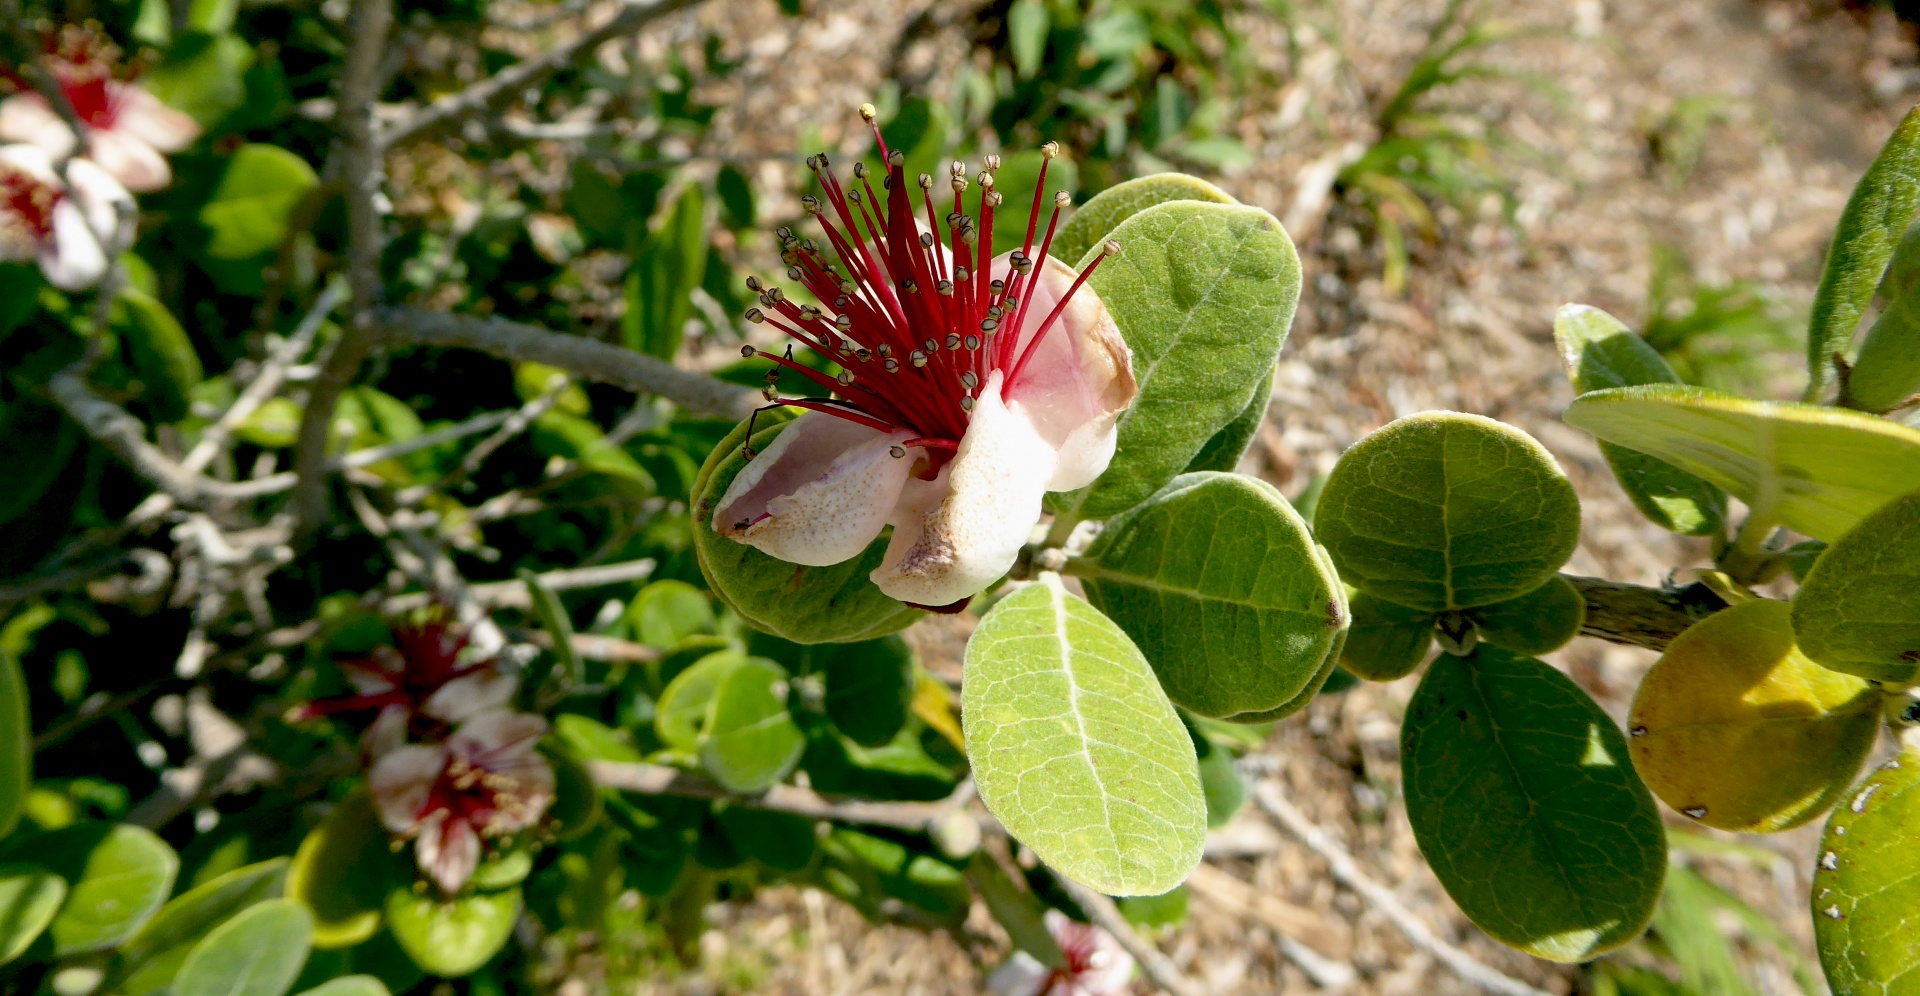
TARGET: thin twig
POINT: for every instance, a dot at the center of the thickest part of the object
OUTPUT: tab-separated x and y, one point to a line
126	437
655	779
1347	872
1639	616
43	81
638	372
1158	968
273	373
515	79
358	168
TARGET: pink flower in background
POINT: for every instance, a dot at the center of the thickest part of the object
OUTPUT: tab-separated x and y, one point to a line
422	686
128	129
71	228
971	386
485	781
1093	964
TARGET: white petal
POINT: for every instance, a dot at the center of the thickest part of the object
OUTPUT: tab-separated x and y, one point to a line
819	493
448	851
401	780
137	165
1080	377
108	206
956	535
72	259
495	739
471	694
385	734
26	118
378	673
142	115
1020	975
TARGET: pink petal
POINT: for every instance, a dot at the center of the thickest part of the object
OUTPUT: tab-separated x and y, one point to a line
819	493
494	739
955	535
33	161
471	694
130	160
448	851
386	733
1020	975
72	259
401	782
141	115
25	117
1078	381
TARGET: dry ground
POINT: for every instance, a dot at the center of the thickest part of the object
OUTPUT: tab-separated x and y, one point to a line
1811	92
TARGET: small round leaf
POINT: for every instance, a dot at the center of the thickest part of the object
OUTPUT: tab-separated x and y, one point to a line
1859	609
1737	729
1538	622
117	875
150	959
452	937
257	953
1386	641
1442	510
342	872
751	741
29	897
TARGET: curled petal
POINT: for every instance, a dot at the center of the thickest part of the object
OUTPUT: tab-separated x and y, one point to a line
819	493
401	782
471	694
108	207
141	115
957	534
495	739
25	117
137	165
448	850
72	260
1079	379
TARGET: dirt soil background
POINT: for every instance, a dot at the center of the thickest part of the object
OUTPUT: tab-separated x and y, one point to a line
1809	93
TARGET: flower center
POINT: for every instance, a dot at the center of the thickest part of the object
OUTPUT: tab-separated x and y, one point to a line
912	315
82	62
26	209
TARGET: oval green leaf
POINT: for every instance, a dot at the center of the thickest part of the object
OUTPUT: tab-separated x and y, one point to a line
1224	450
117	876
1386	641
1218	582
452	937
834	604
249	211
1100	215
1601	353
257	953
150	959
350	985
1526	807
1887	370
667	612
1442	510
1859	608
751	741
1737	729
870	688
686	707
1076	749
1875	217
1204	295
342	872
1538	622
29	897
1815	469
1866	886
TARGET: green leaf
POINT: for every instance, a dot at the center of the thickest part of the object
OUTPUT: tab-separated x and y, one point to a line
1814	469
665	273
16	727
502	869
1601	353
1099	216
1219	584
274	425
685	707
150	959
251	208
834	604
1320	679
1203	294
1855	612
592	740
343	871
257	953
1440	511
29	897
577	800
870	688
781	841
1887	370
736	196
1027	36
1877	214
452	937
1169	909
1737	729
203	75
1538	622
1866	889
350	985
665	613
877	868
558	433
1017	909
1224	450
553	617
1526	807
1385	641
750	741
159	351
117	876
1220	781
1076	749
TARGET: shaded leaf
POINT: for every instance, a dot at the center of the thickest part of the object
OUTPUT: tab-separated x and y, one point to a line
1386	641
343	871
1875	217
257	953
29	897
117	875
1856	611
249	211
1538	622
149	960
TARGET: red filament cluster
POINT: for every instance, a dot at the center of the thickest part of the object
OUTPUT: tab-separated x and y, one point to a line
915	330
